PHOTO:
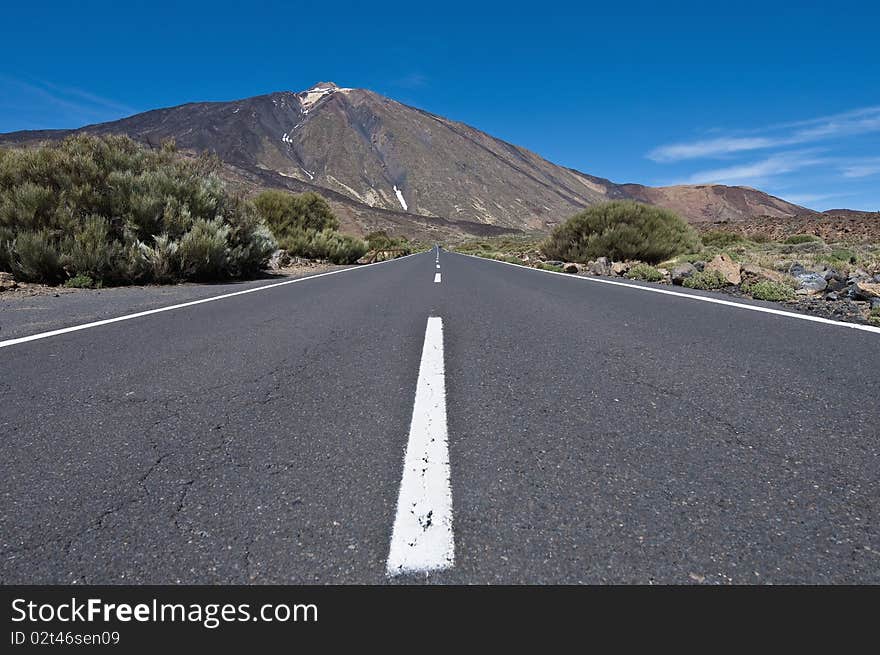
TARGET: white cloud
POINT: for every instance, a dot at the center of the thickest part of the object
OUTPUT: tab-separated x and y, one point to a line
758	172
74	105
861	168
708	148
858	121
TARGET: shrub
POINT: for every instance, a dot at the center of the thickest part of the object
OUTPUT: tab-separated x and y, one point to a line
705	280
93	252
769	290
802	238
842	255
380	240
109	209
286	213
721	239
644	272
328	245
161	259
34	257
80	282
202	251
622	230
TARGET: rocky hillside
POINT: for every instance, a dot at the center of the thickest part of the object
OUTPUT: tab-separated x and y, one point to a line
382	163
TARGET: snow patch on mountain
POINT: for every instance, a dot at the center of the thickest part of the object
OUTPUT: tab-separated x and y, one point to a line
400	197
308	99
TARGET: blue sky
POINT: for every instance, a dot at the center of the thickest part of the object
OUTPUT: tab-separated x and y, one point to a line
784	96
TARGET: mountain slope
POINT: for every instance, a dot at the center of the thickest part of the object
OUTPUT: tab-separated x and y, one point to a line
392	161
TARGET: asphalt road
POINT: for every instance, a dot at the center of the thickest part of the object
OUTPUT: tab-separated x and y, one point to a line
596	434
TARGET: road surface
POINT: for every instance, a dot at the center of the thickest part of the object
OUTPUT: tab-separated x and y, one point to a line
472	423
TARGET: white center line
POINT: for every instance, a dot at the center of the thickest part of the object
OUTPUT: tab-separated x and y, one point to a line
437	277
422	538
438	265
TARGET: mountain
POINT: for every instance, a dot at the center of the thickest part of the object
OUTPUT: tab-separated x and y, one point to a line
383	164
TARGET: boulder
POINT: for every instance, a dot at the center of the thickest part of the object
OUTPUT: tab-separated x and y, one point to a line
554	262
728	268
835	285
753	273
700	266
619	268
681	272
7	282
279	259
571	267
600	267
866	290
810	283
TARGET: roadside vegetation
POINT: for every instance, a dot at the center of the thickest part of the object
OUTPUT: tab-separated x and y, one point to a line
383	246
109	211
622	230
839	278
304	226
97	211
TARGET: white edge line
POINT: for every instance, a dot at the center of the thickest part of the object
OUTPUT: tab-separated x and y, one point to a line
667	292
159	310
422	538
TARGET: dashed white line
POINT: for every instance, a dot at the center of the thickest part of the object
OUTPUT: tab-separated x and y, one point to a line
438	266
422	538
437	278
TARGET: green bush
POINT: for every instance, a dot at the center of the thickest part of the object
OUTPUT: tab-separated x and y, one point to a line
721	239
644	272
769	290
286	213
705	280
35	258
801	238
109	209
203	252
161	262
92	252
80	282
380	240
304	225
327	245
840	256
621	230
